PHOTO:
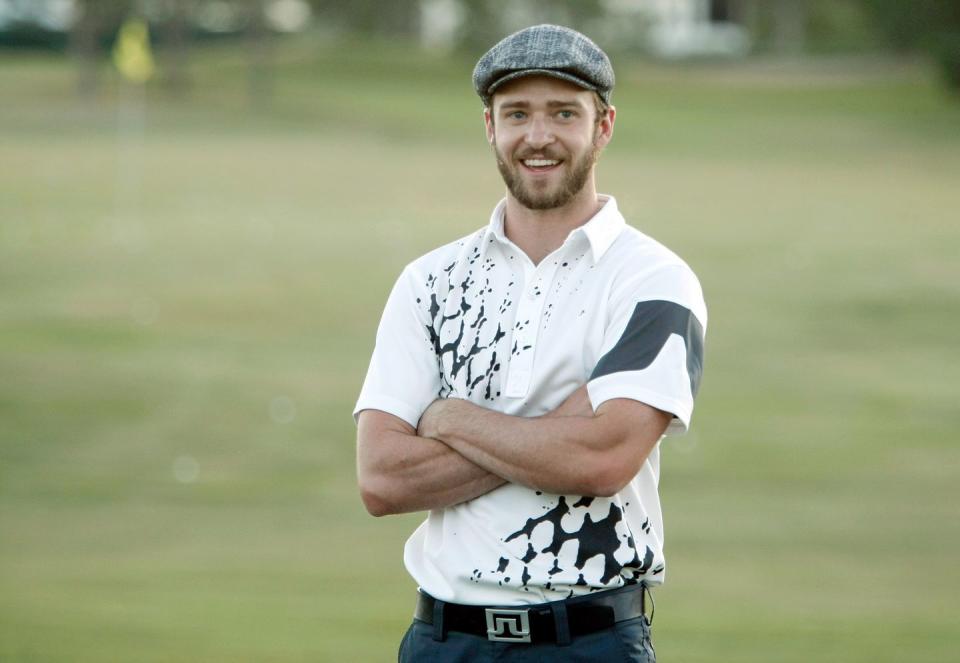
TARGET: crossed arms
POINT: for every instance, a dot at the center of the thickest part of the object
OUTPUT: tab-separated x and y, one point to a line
460	451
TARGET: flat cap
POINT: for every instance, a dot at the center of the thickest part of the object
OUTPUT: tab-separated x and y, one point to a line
549	50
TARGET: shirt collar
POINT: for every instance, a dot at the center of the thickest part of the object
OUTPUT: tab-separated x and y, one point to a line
600	231
496	222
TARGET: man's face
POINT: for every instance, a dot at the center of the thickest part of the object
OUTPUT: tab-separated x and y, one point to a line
546	136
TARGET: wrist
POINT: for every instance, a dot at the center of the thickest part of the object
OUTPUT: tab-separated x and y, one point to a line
445	416
434	423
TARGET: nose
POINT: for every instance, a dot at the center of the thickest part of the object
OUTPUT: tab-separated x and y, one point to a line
538	133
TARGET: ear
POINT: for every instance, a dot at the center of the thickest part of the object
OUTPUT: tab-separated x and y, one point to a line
488	124
605	134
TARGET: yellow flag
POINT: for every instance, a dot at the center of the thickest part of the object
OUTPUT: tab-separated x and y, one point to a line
131	51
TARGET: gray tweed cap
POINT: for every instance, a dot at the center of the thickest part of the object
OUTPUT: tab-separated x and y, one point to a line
549	50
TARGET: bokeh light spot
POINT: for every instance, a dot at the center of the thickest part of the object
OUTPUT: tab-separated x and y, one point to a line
186	469
283	410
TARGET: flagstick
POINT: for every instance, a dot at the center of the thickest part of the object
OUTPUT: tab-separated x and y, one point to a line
131	125
134	61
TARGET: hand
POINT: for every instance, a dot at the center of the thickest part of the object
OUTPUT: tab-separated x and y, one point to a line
577	404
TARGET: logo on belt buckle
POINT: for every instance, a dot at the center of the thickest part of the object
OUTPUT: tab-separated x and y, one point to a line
508	625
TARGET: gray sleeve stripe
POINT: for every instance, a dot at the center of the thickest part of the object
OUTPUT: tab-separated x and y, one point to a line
647	332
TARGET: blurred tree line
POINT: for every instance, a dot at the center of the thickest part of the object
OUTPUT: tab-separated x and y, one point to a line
928	25
787	27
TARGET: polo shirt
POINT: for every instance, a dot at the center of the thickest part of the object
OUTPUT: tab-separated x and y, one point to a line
476	319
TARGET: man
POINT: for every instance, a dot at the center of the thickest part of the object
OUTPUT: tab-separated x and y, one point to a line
521	381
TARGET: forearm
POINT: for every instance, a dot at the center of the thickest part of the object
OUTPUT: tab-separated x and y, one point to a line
399	472
570	451
554	455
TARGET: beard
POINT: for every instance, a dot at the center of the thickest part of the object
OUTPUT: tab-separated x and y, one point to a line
542	197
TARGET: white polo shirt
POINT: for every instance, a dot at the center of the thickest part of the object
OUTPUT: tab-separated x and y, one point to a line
476	319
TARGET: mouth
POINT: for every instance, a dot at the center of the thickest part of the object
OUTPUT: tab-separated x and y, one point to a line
540	165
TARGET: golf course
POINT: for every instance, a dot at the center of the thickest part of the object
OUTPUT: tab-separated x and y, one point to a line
190	284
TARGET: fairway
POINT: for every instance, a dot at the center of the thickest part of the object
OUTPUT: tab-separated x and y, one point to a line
187	311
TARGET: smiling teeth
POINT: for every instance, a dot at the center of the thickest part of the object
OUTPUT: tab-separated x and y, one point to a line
540	163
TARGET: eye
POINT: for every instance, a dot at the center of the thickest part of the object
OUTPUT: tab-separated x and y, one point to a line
516	115
566	114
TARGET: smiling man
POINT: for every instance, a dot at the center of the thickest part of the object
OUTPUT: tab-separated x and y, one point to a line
521	383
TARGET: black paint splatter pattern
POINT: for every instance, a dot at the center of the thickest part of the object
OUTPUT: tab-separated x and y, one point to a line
466	327
605	538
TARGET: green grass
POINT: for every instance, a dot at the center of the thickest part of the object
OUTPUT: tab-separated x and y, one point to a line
158	293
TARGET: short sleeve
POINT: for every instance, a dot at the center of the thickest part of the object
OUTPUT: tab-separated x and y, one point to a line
653	345
404	376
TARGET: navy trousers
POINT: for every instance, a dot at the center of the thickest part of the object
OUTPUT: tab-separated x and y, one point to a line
627	641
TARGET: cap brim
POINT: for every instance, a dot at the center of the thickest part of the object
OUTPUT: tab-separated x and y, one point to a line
562	75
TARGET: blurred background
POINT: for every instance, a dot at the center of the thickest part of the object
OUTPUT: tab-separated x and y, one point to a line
204	203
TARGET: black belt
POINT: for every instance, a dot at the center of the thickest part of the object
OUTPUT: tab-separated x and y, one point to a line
557	621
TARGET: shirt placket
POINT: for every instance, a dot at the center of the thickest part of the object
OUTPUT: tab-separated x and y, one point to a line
530	308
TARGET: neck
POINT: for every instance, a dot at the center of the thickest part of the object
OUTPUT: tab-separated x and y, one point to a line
538	233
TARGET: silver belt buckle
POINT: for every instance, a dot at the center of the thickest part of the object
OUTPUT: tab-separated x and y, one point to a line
505	625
